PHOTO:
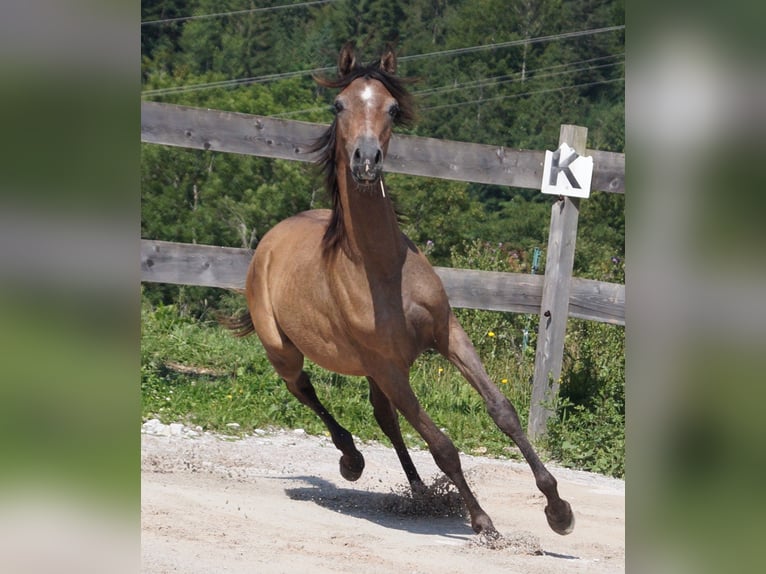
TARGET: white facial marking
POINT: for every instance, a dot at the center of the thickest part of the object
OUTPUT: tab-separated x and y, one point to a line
366	94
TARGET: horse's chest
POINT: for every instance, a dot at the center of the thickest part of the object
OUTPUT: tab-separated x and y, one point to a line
386	320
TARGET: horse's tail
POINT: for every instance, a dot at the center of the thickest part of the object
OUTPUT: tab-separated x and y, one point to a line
240	325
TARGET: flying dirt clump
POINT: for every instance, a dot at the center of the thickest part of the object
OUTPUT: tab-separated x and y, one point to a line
518	543
440	499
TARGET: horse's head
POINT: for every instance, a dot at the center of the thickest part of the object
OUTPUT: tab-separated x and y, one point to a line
371	101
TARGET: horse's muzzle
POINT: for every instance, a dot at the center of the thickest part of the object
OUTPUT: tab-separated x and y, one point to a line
367	161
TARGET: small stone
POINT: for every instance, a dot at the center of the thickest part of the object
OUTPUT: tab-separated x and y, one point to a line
176	429
151	426
299	431
155	427
232	425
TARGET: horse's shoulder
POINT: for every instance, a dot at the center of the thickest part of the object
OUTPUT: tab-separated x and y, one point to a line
421	279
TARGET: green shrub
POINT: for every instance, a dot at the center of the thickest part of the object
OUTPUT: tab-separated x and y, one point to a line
589	430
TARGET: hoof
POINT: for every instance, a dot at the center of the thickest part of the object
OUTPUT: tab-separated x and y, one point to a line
418	488
351	467
483	525
560	518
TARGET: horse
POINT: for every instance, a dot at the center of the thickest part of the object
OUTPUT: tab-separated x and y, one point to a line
347	289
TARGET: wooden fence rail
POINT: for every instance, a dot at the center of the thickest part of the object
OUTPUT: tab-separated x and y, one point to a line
225	267
232	132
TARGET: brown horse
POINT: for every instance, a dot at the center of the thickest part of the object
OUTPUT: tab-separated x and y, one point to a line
347	289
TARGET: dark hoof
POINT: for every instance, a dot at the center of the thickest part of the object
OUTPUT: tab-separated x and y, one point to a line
351	467
483	525
560	517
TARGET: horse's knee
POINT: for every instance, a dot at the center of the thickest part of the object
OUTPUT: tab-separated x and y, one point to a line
504	414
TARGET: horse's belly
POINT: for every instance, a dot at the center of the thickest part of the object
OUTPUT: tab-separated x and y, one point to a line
328	350
354	350
343	363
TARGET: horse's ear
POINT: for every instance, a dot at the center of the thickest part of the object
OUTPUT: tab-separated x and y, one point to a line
388	60
346	59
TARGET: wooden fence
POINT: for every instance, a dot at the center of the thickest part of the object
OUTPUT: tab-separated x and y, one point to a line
225	267
555	296
232	132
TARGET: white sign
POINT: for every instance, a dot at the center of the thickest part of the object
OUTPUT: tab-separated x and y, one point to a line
566	173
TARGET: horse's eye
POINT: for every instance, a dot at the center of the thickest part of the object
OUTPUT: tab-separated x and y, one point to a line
337	107
394	110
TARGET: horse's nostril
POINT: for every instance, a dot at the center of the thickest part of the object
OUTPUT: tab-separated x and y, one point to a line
378	157
357	154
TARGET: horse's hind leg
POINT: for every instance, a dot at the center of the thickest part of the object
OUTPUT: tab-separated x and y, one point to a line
288	362
388	419
461	353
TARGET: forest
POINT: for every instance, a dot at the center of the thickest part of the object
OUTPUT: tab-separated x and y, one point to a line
500	72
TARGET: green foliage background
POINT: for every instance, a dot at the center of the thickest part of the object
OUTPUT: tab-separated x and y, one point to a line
478	81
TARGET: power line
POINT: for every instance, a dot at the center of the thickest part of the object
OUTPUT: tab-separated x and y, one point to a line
479	101
535	75
448	89
486	82
455	51
234	13
559	89
538	40
228	83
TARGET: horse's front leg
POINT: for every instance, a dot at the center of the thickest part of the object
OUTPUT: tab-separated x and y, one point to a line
288	362
388	420
457	348
352	461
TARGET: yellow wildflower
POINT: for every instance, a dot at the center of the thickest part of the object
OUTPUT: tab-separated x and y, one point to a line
491	334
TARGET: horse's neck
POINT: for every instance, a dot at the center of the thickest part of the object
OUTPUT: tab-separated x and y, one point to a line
373	233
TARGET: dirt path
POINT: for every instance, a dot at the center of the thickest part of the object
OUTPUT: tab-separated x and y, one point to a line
276	503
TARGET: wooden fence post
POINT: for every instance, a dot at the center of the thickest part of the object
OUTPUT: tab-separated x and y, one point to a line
554	308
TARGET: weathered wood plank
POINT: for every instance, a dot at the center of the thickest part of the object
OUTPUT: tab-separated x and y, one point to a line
200	265
492	291
226	267
554	309
597	301
462	161
233	132
608	171
216	130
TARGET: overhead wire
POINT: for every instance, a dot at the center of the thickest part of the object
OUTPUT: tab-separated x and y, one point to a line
235	82
232	13
511	43
458	104
450	52
489	82
507	96
532	75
